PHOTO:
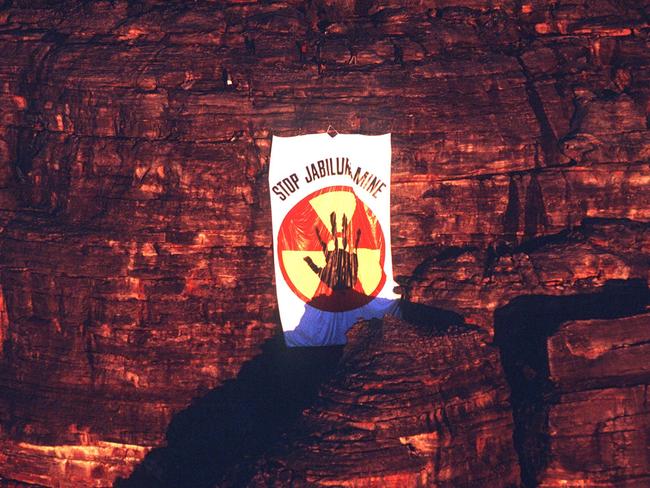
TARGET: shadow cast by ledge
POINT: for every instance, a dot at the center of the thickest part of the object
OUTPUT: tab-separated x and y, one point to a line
237	421
318	327
522	328
215	441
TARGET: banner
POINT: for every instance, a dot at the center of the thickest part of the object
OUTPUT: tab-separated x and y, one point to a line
330	204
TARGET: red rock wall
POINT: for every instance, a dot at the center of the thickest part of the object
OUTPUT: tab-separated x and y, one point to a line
601	369
136	265
413	408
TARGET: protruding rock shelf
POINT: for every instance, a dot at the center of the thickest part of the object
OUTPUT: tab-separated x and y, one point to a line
410	406
600	422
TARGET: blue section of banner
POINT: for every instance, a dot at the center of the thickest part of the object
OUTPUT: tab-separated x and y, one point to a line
320	328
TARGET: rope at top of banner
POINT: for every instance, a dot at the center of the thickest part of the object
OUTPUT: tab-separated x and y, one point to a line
330	130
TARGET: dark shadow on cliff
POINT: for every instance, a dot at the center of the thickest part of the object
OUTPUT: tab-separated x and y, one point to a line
215	441
238	420
443	321
522	328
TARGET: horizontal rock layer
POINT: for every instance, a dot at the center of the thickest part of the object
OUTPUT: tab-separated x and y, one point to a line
600	424
89	464
476	283
136	269
408	407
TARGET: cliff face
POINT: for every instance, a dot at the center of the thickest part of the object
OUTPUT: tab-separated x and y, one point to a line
599	422
410	405
136	270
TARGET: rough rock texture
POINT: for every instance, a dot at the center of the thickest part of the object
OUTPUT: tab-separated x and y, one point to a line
523	295
600	424
409	406
136	269
476	282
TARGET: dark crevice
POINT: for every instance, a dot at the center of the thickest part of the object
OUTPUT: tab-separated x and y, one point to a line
535	218
522	328
435	321
511	216
532	245
548	138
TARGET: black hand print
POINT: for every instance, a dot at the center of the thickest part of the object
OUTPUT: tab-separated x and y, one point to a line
341	264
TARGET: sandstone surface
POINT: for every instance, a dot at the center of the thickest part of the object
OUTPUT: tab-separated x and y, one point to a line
410	405
135	246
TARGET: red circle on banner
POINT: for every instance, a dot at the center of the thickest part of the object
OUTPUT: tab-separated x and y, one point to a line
328	274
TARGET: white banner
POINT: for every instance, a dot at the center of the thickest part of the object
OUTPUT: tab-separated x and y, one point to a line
330	203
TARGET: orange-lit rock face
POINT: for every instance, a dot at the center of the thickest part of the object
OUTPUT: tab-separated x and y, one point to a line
413	404
69	465
136	267
599	425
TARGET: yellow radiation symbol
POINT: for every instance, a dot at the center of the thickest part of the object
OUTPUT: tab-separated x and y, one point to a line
331	250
